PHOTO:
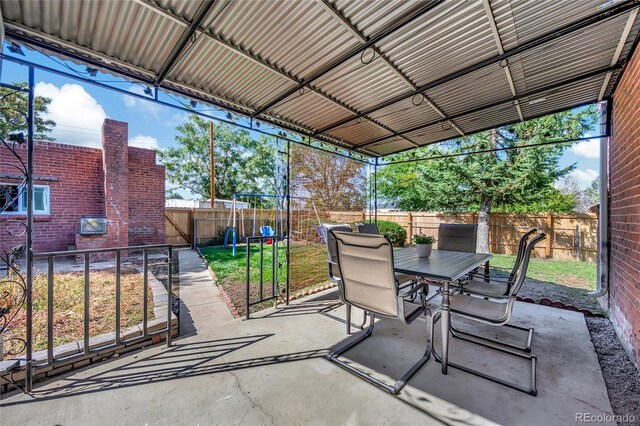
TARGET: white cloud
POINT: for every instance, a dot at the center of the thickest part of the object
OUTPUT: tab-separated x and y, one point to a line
583	178
142	141
145	107
78	116
587	149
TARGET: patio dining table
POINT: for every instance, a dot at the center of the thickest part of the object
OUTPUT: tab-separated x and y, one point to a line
442	266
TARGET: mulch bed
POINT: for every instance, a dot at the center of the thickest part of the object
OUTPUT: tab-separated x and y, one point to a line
620	375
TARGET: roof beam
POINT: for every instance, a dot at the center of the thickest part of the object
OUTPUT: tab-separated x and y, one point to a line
357	34
618	51
176	53
384	33
512	99
496	36
239	51
609	13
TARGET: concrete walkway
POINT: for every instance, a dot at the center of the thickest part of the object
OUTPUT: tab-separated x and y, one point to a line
272	370
203	310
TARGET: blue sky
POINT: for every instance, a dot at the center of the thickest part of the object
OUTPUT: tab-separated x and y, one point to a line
79	109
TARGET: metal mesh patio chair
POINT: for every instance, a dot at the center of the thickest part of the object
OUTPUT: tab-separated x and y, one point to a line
460	237
496	311
367	228
499	286
368	282
372	229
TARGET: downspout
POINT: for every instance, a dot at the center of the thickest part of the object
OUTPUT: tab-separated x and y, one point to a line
603	214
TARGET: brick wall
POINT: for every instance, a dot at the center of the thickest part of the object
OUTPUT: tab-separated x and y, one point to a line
624	164
76	191
134	190
146	192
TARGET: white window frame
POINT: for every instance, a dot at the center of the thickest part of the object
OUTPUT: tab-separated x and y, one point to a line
23	211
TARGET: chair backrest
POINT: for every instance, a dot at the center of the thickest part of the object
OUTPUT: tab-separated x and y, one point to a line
332	251
522	246
457	237
521	273
368	228
366	268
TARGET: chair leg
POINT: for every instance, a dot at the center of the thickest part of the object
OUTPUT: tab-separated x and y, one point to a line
492	343
401	383
348	307
531	389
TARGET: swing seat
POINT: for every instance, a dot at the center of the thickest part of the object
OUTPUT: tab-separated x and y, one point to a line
267	231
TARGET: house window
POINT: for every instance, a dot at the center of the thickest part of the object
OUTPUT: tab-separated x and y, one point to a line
13	199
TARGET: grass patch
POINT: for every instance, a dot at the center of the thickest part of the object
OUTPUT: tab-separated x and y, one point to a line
308	270
68	308
580	275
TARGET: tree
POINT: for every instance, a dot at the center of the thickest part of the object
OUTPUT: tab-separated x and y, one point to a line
14	107
491	180
333	182
241	164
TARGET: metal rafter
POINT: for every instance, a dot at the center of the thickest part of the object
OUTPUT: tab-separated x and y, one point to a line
512	99
598	17
384	33
256	60
356	33
618	51
496	36
176	53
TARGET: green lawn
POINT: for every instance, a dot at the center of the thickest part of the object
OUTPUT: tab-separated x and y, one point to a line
581	275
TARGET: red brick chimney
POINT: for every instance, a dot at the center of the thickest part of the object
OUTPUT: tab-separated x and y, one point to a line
115	156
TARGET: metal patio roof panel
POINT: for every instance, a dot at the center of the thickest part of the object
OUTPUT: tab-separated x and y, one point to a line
563	97
184	9
124	31
406	114
216	69
455	34
362	85
571	55
371	16
534	18
475	89
298	37
435	132
389	146
310	110
488	118
358	132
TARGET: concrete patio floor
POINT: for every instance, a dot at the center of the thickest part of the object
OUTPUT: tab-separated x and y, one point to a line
272	370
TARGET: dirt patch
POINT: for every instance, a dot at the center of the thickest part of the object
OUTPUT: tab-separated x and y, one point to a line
620	374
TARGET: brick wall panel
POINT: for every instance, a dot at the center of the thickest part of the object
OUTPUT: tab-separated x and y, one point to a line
624	165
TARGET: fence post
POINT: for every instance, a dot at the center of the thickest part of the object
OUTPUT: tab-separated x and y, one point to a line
410	227
549	247
576	241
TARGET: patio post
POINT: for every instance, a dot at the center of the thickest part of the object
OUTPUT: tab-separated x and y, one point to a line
603	209
375	191
288	192
29	234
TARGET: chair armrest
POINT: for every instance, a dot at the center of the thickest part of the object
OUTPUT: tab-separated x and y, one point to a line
411	291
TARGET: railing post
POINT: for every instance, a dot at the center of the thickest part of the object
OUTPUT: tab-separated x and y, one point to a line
169	296
145	290
86	303
549	247
248	278
50	309
118	297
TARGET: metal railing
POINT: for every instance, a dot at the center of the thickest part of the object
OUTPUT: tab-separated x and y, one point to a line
118	338
274	272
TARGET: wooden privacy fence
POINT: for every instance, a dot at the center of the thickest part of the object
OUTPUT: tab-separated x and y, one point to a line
569	236
209	225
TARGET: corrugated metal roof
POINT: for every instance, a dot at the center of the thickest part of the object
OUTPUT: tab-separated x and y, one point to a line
253	56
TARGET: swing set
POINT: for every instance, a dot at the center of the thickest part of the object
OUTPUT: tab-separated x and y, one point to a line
273	225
